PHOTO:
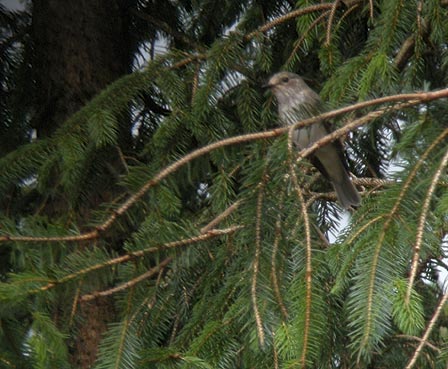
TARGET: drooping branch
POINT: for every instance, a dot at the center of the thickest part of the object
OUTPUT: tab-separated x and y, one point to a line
128	284
308	252
424	339
291	15
421	225
212	233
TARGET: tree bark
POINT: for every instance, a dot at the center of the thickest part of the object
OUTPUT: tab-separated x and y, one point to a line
79	47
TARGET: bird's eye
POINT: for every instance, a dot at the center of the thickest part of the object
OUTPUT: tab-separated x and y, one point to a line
285	79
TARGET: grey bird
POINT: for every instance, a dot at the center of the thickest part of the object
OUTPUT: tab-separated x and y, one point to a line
297	101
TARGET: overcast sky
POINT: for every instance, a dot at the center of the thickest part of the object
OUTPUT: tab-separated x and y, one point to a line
12	4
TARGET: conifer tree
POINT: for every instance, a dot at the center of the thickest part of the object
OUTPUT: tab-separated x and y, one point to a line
159	216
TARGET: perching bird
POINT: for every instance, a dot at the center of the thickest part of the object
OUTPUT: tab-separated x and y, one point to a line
296	101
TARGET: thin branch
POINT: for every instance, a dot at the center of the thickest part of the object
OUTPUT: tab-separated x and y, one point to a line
256	263
221	217
291	15
195	84
278	235
275	356
136	254
165	27
414	338
424	339
303	36
421	225
129	283
413	99
308	262
330	22
379	244
349	127
75	303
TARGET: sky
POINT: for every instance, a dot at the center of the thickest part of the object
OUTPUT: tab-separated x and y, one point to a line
13	4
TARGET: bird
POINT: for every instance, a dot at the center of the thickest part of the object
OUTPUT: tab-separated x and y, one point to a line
297	101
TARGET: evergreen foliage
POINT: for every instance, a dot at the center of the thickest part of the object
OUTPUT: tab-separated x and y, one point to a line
207	234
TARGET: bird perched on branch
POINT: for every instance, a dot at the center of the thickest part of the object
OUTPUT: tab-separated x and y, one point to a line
296	102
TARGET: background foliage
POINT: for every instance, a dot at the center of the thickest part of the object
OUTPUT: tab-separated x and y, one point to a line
169	218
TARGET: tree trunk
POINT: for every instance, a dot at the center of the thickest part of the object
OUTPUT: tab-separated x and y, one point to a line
80	46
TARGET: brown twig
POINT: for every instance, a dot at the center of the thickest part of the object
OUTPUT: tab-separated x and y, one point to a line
256	263
308	252
415	338
291	15
330	22
129	283
221	217
424	339
278	236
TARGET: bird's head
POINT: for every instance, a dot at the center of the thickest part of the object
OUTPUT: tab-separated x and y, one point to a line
283	80
290	88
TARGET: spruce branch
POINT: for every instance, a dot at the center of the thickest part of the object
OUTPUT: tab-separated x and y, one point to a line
75	303
407	48
220	217
330	22
421	225
137	254
165	27
412	99
286	17
256	262
195	84
371	9
379	245
424	339
349	127
275	246
308	252
302	38
414	338
275	356
128	284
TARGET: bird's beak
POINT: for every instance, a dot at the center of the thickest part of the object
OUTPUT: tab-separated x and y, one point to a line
267	85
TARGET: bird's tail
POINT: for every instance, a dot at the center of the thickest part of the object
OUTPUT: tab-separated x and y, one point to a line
346	192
